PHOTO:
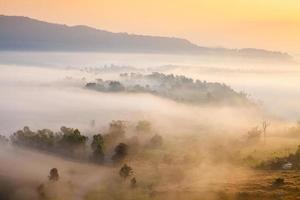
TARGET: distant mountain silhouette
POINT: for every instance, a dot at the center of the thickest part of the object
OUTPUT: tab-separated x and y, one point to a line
26	34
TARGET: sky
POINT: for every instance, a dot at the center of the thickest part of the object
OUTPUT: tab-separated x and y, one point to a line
268	24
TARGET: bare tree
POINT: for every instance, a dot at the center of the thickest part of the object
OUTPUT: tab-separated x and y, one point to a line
265	125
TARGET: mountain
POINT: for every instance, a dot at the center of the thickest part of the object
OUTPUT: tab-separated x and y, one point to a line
26	34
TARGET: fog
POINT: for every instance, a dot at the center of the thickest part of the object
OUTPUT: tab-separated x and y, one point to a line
49	98
205	146
37	85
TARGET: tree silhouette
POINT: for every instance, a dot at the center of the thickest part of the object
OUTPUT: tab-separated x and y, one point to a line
53	175
98	148
156	141
121	151
72	137
125	171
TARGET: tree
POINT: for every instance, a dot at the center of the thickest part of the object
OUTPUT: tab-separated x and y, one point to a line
53	175
97	141
121	151
97	147
72	137
125	171
72	143
115	86
45	139
156	141
23	137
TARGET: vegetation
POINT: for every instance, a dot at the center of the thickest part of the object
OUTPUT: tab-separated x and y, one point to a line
98	148
156	141
278	163
126	171
53	175
163	166
178	88
121	152
71	143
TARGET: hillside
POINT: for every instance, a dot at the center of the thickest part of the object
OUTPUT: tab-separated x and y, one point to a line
26	34
177	88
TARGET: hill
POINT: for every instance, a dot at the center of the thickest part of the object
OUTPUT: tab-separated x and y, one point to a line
26	34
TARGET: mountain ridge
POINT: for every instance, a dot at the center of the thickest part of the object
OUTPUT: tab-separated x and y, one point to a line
27	34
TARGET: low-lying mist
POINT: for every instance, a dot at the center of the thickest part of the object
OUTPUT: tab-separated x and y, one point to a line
176	150
46	98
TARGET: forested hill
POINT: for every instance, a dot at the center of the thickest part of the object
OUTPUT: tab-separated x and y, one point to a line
178	88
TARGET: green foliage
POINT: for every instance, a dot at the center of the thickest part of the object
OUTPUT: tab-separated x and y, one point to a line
65	142
72	137
97	147
42	139
97	141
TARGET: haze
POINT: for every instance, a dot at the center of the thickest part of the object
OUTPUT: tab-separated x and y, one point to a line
269	24
88	114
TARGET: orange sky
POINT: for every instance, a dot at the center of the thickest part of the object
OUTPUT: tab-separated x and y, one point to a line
270	24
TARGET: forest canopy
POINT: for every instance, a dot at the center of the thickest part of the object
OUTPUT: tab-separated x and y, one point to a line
178	88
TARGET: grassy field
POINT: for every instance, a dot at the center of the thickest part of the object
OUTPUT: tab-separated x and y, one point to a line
258	185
